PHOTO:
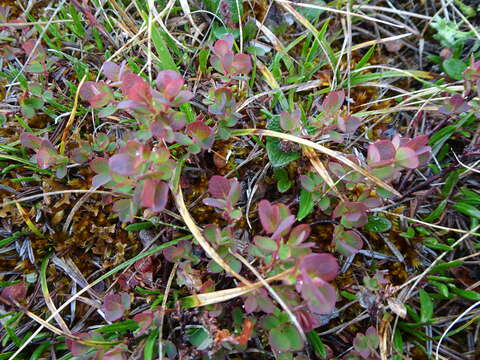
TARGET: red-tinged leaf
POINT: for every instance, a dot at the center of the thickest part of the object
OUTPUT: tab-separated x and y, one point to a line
417	143
223	46
323	266
115	305
380	151
77	348
347	242
307	320
100	165
268	216
219	187
284	226
372	202
299	234
265	243
319	295
15	292
290	121
201	134
235	192
333	101
119	352
307	183
111	71
145	268
182	97
213	234
173	88
348	124
154	194
407	158
144	321
98	94
122	164
46	155
242	64
218	203
136	89
455	105
360	343
30	141
125	209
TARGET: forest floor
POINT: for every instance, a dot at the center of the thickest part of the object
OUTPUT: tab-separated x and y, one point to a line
239	179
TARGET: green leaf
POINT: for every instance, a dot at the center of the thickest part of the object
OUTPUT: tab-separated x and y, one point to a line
317	344
467	294
276	155
378	224
439	210
139	226
398	341
285	338
306	204
283	182
199	338
467	209
454	68
426	307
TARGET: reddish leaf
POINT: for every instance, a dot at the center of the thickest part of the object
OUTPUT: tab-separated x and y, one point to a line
46	155
153	194
122	164
380	153
407	158
219	187
98	94
323	266
268	216
347	242
299	234
333	101
144	321
348	124
136	89
242	64
77	348
169	83
30	141
119	352
201	134
115	305
15	292
319	295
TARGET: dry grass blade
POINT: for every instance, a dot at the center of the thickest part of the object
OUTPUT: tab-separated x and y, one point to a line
48	298
79	203
188	14
197	234
162	310
335	154
52	193
71	117
329	9
274	294
322	171
51	327
216	297
452	324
